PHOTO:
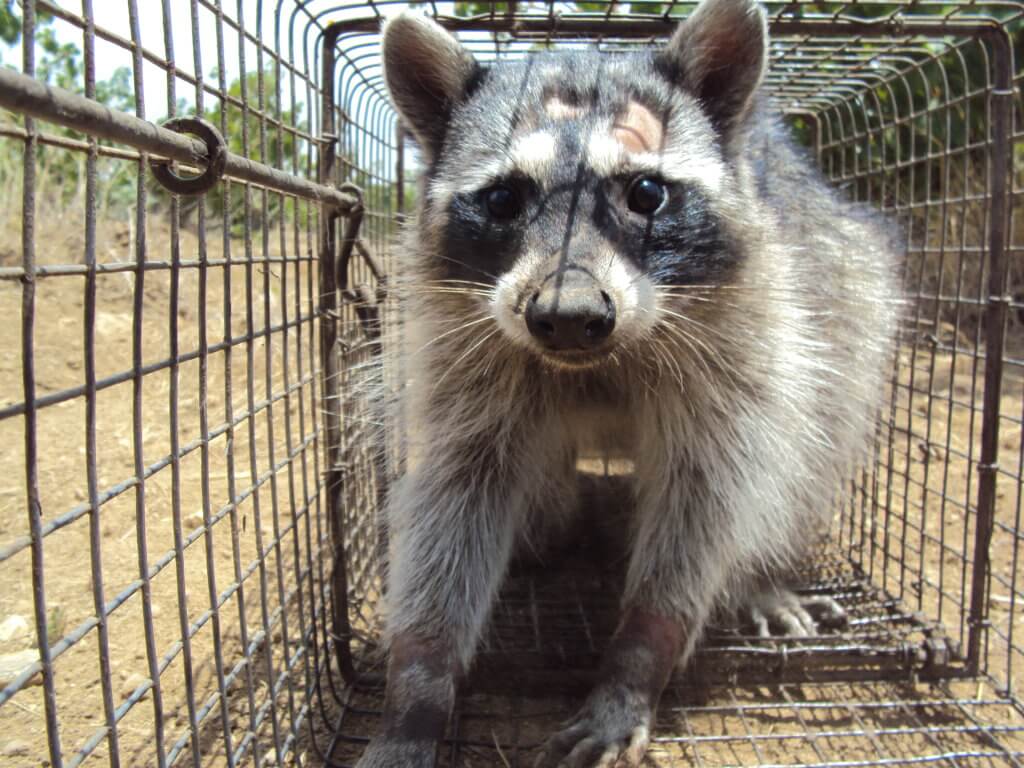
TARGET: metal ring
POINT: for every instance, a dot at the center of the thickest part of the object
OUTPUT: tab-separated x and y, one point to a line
216	158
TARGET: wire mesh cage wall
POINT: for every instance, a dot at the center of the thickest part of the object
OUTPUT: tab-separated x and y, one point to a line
191	545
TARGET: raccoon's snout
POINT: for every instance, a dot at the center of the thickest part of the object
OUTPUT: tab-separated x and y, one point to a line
570	316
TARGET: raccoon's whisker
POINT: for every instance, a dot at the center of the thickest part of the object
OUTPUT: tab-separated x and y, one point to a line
449	291
490	360
695	298
670	361
710	353
683	345
470	267
697	295
692	343
465	287
463	356
682	289
783	292
659	357
455	281
688	320
498	352
647	379
652	373
481	319
413	288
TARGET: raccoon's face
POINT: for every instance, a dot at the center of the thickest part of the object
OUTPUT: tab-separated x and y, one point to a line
580	190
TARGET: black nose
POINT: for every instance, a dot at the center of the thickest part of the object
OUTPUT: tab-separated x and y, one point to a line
571	318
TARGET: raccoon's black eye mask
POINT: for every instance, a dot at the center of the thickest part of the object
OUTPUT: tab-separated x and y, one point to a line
645	195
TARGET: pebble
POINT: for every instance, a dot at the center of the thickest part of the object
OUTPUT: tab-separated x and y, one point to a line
14	748
14	627
12	664
132	682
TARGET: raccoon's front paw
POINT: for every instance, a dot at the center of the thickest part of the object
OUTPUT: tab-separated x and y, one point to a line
783	612
612	729
388	753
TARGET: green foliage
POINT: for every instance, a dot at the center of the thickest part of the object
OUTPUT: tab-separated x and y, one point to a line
480	9
61	172
650	8
61	63
10	24
242	130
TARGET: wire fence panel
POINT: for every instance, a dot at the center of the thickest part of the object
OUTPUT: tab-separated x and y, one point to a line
192	458
165	435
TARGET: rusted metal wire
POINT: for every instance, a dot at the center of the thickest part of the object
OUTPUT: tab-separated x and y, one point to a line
190	417
26	95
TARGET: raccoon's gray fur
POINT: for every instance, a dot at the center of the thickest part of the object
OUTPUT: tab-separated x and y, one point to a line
730	341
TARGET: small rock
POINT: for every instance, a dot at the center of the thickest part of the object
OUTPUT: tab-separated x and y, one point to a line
12	665
14	748
14	627
131	683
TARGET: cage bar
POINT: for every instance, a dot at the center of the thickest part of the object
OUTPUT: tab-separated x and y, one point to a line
186	409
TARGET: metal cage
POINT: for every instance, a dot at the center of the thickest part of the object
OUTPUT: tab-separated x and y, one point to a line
190	546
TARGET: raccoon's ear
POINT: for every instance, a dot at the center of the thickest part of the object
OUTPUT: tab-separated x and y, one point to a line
426	70
720	54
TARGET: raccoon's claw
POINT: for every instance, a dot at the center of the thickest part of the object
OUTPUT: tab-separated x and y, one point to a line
792	615
826	611
611	731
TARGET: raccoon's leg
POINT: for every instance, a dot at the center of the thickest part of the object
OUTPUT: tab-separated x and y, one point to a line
450	549
613	726
453	527
778	609
681	554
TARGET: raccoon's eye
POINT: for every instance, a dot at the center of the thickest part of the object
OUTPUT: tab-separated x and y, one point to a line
502	202
646	195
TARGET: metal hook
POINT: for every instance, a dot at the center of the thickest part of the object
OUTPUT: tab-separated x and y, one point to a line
216	154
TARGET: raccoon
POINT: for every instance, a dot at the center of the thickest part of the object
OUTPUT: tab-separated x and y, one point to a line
622	252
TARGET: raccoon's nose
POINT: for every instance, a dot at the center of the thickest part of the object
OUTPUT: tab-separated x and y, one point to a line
575	319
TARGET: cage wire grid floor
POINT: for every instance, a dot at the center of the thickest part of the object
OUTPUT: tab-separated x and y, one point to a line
878	691
741	701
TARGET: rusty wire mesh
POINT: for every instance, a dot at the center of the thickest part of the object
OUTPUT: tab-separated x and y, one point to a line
190	479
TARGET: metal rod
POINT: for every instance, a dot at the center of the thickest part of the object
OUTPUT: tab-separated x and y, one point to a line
21	93
995	330
599	26
28	378
328	305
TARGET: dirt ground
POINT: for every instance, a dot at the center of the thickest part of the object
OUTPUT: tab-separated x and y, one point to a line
232	468
933	481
